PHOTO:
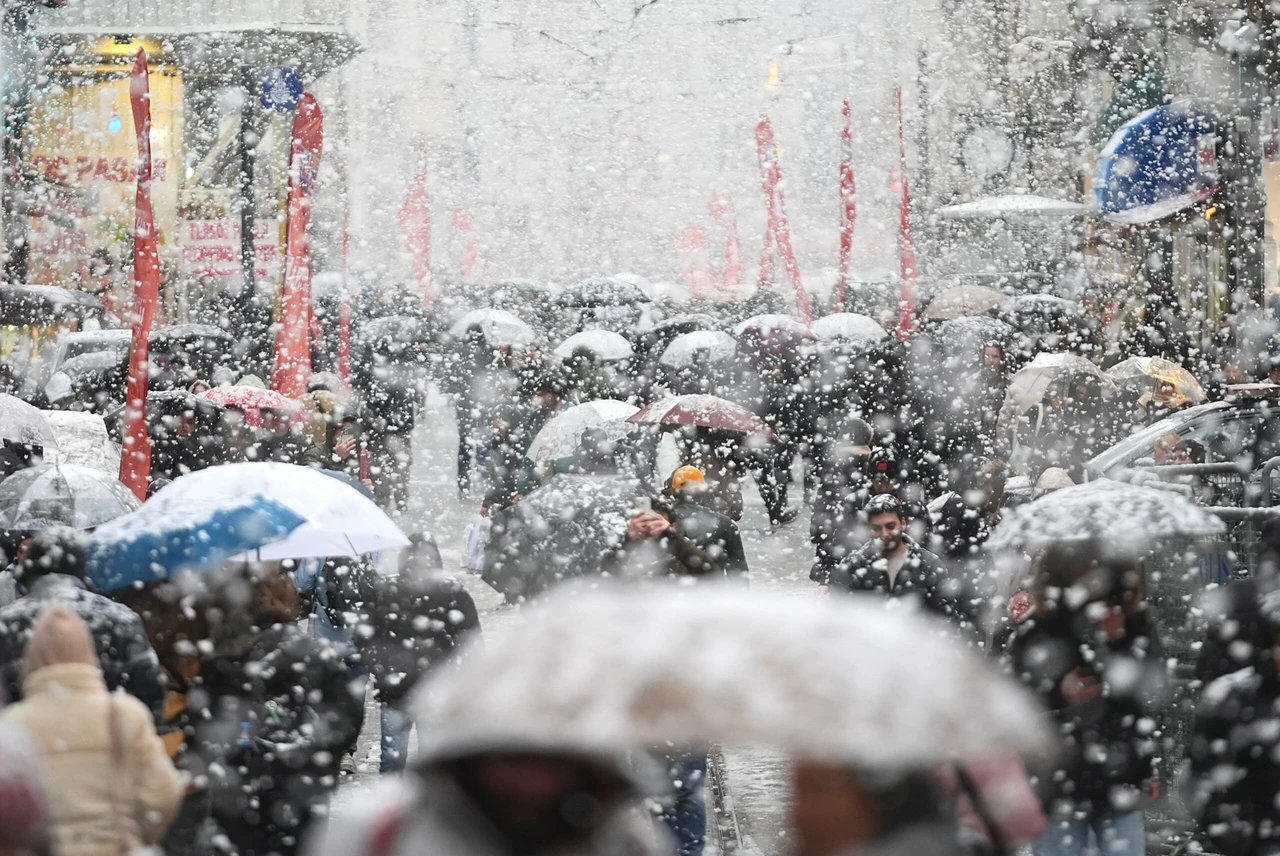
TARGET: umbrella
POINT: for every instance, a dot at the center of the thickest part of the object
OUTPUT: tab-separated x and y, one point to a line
62	494
339	521
1029	384
394	331
189	533
499	328
1154	371
773	326
849	325
1110	512
603	291
562	434
87	377
82	440
972	333
604	345
707	411
206	335
251	400
39	305
22	423
698	347
566	528
963	300
839	678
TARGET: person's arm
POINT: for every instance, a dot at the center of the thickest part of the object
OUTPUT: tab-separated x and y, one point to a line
159	786
141	676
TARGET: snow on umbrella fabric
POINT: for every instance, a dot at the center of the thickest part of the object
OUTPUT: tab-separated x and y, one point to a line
250	400
1122	516
777	336
1030	383
707	411
971	333
840	679
689	349
849	325
62	494
499	327
177	534
603	291
1153	371
22	423
604	345
964	300
338	519
562	434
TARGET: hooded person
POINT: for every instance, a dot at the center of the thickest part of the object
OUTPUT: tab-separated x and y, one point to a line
711	531
111	784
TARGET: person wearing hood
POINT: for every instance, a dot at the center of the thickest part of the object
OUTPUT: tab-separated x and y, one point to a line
710	531
111	784
53	572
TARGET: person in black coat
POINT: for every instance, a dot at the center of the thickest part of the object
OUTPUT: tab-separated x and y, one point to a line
709	530
53	572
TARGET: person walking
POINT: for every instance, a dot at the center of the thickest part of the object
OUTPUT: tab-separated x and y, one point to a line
111	785
709	530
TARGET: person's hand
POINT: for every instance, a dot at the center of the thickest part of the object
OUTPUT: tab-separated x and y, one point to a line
1079	686
824	590
344	448
646	526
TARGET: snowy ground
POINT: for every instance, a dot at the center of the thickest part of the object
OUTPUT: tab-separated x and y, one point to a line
779	559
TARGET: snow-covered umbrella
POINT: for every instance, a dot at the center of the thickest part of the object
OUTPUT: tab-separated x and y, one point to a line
83	440
700	345
969	334
849	326
605	345
250	400
562	434
842	678
1154	371
499	327
778	336
1029	384
62	494
603	291
1122	516
706	411
22	423
339	520
964	300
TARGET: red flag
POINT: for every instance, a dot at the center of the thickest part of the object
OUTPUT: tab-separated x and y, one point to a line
694	253
135	458
906	246
848	205
292	366
771	182
415	225
721	207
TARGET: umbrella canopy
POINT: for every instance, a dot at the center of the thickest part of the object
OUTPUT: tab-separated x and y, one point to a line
604	345
839	678
82	440
86	377
964	300
251	400
394	330
62	494
707	411
1155	371
1029	384
207	335
499	327
338	520
849	325
698	347
22	423
773	325
562	434
603	291
972	333
564	529
1123	516
39	305
190	533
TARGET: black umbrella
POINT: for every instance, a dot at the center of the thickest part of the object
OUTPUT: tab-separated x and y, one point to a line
603	291
191	333
566	528
44	304
95	378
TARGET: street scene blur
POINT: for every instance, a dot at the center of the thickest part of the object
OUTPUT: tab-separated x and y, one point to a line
639	428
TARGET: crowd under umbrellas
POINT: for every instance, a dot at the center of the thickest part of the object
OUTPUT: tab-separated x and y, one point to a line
996	640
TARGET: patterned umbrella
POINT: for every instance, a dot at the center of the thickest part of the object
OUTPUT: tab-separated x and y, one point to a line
250	400
62	494
707	411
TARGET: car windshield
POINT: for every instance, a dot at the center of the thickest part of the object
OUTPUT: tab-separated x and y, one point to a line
1135	446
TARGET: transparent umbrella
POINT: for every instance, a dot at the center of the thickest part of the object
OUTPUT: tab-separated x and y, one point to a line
605	345
22	423
561	436
62	494
689	348
849	325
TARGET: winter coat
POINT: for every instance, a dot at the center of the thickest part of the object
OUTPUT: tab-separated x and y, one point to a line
108	794
284	449
1235	777
672	554
1107	750
416	621
713	533
922	575
128	661
274	713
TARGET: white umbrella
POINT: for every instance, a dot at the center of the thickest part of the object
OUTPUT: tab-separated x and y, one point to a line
604	344
772	324
65	494
562	434
964	300
499	327
340	520
22	423
849	325
688	348
848	678
1029	384
1123	516
83	440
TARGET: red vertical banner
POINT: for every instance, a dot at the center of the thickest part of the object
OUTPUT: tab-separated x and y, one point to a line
468	246
415	225
721	208
906	244
693	250
292	366
771	183
848	205
135	457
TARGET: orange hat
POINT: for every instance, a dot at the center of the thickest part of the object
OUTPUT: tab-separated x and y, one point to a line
685	475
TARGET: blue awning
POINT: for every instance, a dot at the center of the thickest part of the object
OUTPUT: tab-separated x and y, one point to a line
1156	164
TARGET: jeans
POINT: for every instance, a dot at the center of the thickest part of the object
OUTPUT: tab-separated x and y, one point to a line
395	739
687	815
1101	834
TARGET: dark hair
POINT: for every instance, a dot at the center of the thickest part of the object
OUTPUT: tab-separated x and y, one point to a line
53	550
885	503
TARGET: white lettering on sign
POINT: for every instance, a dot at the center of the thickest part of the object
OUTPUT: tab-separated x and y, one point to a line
211	248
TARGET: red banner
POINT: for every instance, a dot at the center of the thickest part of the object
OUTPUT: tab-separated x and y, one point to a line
135	457
771	183
693	250
906	245
721	208
292	366
848	205
415	225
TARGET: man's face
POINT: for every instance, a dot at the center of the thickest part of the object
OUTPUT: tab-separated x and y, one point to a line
881	484
991	356
888	528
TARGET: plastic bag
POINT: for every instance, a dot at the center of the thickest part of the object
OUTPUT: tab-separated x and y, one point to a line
474	542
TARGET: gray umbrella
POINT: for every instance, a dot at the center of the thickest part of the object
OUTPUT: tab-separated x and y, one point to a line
64	494
22	423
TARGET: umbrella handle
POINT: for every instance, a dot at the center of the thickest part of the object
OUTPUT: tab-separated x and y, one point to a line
999	847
